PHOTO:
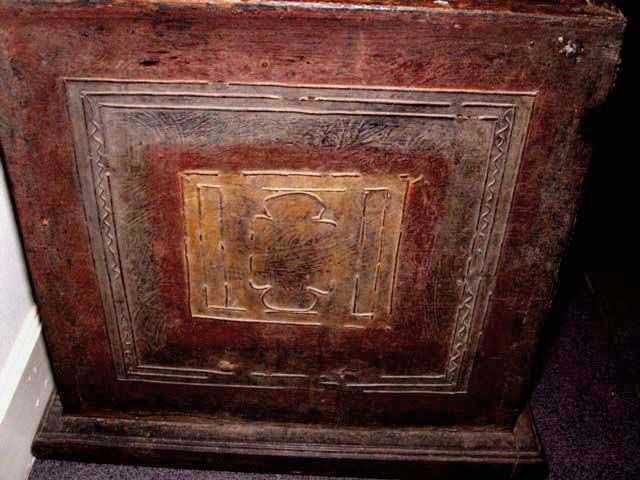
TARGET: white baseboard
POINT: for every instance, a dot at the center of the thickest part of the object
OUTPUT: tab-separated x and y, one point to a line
25	386
12	370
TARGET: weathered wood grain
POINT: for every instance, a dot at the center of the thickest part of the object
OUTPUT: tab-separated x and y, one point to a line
106	109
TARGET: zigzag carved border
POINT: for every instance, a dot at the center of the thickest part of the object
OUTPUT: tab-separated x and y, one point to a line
451	381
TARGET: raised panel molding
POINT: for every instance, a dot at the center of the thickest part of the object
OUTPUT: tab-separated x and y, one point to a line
313	249
275	260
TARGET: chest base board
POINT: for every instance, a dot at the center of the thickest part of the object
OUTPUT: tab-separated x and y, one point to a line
224	444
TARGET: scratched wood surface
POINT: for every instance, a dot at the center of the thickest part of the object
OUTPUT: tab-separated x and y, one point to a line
593	8
346	252
280	211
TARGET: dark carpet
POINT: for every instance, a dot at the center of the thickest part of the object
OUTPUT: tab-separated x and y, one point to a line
586	404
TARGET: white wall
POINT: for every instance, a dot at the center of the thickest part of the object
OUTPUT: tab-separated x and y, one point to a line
25	376
15	293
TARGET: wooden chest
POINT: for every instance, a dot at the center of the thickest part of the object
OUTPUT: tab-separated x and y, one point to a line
288	235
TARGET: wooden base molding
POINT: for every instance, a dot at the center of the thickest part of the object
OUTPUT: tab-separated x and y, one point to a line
299	236
214	443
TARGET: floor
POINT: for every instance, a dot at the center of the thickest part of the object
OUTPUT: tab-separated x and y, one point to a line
586	404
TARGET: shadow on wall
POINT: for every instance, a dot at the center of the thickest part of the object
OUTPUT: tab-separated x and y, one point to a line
588	415
606	236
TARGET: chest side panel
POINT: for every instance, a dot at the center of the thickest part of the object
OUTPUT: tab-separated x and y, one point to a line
319	212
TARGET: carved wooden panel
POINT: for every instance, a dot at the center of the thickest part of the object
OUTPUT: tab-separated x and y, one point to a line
293	247
290	236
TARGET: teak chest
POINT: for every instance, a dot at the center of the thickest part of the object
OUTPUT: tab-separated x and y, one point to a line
298	236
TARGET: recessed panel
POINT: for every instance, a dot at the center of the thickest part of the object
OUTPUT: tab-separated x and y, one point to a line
291	236
293	247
